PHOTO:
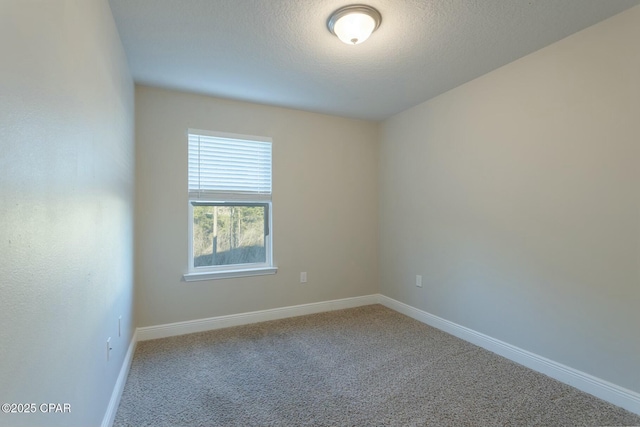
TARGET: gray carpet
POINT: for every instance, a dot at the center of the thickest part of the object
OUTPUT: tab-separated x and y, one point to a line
367	366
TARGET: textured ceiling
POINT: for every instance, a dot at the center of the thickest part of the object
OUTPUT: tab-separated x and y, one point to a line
280	52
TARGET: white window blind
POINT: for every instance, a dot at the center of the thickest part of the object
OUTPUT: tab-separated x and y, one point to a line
229	167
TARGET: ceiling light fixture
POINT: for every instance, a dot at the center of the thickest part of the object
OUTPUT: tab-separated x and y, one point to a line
354	24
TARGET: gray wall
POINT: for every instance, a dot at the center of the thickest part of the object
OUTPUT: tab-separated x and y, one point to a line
66	207
516	197
325	218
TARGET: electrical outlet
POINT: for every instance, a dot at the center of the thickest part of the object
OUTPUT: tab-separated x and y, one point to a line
109	348
418	281
303	277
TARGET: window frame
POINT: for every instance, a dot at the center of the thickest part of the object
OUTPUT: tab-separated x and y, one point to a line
238	199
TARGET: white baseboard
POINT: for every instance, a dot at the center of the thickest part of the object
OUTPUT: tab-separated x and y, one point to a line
600	388
114	402
201	325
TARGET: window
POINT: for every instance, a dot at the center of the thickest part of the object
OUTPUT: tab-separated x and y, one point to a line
229	206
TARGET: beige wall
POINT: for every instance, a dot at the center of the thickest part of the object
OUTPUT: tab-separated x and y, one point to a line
66	208
324	207
516	196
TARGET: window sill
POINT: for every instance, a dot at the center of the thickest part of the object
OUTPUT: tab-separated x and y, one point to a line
229	274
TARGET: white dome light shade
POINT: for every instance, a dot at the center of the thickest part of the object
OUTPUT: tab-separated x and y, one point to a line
354	28
354	24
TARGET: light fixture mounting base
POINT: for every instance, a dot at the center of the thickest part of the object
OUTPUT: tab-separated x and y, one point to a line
353	8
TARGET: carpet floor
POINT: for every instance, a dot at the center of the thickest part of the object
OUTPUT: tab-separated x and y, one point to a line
367	366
